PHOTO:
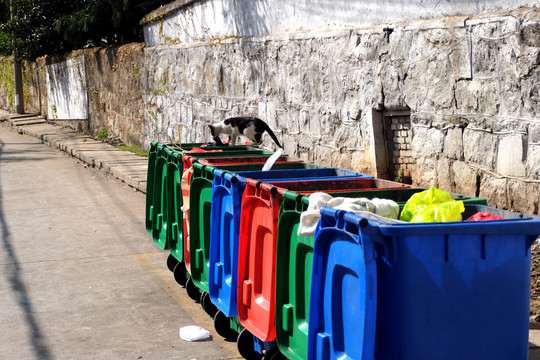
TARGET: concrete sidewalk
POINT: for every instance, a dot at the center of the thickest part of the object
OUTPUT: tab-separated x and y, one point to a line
80	278
122	165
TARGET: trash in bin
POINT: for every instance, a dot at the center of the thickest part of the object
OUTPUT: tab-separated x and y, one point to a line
481	216
432	205
310	217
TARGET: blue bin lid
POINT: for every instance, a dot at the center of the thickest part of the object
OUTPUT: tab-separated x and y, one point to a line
300	174
342	264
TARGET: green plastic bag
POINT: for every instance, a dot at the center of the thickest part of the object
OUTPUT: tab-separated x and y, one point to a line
432	205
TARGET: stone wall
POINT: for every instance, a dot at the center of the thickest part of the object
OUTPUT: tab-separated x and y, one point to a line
35	91
7	98
115	97
91	90
470	84
188	21
34	88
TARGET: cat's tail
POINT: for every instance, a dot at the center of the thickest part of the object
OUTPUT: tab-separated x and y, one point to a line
272	135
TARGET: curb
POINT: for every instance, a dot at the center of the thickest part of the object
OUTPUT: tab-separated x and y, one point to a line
121	165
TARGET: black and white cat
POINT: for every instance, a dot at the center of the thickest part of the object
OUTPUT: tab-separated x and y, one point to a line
250	127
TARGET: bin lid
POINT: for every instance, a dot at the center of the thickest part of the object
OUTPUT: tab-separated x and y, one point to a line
343	302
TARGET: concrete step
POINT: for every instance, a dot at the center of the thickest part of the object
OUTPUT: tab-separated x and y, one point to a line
27	121
21	116
122	165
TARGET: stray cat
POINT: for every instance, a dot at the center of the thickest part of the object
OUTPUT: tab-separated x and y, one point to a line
250	127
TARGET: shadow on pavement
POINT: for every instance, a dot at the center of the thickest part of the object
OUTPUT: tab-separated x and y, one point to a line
13	275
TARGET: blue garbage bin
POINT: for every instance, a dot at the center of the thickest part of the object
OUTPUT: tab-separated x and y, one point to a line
456	290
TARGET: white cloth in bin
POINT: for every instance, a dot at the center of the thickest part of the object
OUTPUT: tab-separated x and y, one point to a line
385	209
373	216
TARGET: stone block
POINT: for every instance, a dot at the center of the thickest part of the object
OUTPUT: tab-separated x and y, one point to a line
524	197
465	97
444	176
530	34
494	190
530	93
510	156
425	172
453	144
485	54
426	142
479	147
360	163
406	154
533	161
464	178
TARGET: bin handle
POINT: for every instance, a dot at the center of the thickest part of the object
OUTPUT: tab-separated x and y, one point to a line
382	249
298	199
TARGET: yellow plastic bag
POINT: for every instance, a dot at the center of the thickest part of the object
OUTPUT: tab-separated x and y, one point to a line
432	205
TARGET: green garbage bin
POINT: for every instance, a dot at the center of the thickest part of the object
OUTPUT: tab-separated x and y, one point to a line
166	169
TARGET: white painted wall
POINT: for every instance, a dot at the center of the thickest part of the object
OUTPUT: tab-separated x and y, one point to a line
218	19
66	90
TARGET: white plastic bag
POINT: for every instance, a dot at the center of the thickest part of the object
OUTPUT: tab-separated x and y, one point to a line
193	333
272	159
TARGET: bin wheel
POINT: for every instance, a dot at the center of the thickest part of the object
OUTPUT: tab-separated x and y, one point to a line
244	343
222	324
274	354
192	290
171	262
180	273
207	304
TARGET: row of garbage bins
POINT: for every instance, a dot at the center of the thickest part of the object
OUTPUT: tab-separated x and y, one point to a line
358	288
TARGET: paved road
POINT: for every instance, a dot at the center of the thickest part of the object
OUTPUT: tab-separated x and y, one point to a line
79	276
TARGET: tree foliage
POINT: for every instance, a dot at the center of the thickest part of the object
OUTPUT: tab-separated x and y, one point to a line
6	46
42	27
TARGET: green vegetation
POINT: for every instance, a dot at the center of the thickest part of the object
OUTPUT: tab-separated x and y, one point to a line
54	112
49	27
102	134
134	149
6	43
401	173
6	78
6	46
